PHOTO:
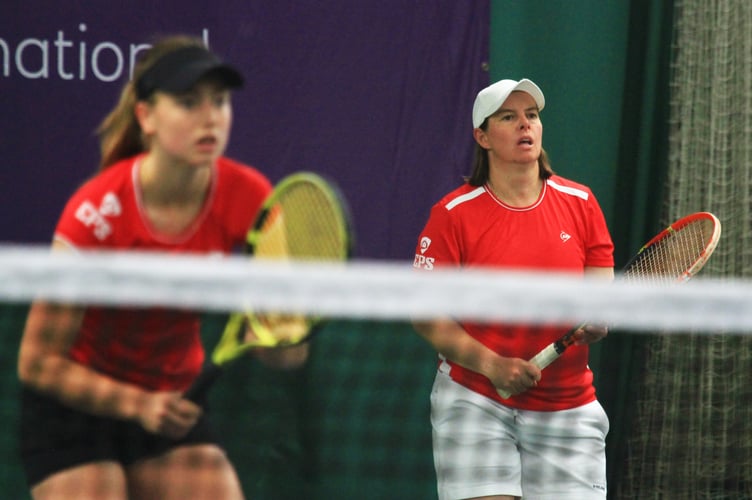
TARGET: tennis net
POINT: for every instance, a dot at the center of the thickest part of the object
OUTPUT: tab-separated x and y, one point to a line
354	421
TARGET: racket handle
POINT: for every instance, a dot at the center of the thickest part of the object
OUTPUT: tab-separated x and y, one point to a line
199	389
548	355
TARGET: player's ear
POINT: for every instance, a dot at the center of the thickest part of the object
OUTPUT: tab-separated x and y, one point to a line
480	137
143	113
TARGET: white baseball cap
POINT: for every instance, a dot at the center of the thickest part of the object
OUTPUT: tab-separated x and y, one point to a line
490	99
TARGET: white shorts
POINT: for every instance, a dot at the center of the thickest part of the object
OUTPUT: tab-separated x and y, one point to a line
484	448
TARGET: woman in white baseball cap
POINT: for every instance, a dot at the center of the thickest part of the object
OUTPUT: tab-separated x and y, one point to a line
548	439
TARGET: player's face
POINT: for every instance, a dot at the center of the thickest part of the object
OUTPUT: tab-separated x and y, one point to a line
192	127
515	132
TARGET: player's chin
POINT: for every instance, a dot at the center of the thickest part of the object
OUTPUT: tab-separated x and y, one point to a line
203	160
203	155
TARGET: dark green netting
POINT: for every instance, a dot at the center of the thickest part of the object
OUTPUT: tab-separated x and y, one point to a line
353	423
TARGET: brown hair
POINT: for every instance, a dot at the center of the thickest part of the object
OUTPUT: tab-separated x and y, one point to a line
119	133
480	164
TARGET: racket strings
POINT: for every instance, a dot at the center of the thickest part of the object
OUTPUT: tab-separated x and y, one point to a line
306	225
674	257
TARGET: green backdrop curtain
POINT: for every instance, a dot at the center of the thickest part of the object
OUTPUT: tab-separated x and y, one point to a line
603	67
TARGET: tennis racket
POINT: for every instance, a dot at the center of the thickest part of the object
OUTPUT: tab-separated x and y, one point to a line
673	256
305	218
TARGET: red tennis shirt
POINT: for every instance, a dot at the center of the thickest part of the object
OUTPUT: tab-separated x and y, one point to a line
156	348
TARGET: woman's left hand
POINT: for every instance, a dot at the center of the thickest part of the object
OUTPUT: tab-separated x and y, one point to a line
589	334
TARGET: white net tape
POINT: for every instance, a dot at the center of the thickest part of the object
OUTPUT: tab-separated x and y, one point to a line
374	290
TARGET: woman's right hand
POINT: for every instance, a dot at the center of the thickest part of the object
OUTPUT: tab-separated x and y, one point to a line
168	414
514	375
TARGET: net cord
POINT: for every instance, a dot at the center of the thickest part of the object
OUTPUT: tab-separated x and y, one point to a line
369	290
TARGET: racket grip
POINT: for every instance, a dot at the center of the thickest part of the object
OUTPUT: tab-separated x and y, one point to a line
544	358
550	353
547	355
200	388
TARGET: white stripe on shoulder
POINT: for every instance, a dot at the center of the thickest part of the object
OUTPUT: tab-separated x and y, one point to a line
569	190
466	197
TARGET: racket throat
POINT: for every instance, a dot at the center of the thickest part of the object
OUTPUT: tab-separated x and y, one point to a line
199	389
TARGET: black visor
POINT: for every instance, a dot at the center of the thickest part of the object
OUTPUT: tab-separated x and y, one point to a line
180	70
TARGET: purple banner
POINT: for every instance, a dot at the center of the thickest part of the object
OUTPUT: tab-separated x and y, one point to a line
376	95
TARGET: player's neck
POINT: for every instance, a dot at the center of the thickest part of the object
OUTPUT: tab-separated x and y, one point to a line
172	198
516	187
167	184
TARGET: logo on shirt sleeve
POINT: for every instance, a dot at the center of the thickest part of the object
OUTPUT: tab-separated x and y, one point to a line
110	206
421	261
425	242
95	217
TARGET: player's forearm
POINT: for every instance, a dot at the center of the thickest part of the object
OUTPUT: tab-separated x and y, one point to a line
80	387
512	375
454	343
43	365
